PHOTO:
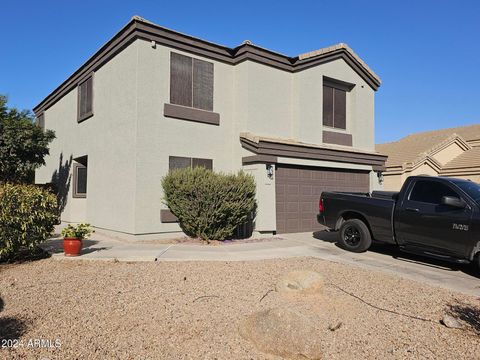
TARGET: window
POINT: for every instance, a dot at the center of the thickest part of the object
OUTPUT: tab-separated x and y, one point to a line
191	82
177	162
80	177
85	99
471	188
335	102
334	107
430	192
41	121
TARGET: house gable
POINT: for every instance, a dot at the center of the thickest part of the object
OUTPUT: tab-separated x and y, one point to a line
139	28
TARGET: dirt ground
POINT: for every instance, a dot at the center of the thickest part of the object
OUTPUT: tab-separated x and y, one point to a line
191	310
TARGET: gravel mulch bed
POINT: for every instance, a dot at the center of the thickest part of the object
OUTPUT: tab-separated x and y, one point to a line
191	310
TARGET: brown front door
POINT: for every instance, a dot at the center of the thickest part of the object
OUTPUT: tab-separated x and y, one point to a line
298	190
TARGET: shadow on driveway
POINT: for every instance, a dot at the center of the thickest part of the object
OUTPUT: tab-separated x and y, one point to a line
395	252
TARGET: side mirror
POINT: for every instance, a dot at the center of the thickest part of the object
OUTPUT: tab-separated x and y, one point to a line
454	202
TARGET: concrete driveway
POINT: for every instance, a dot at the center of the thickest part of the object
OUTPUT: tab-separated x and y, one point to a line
318	245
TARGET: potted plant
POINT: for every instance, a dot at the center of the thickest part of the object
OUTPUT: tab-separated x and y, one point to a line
73	236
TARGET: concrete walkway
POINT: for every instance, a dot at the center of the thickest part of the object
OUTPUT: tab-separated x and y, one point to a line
319	245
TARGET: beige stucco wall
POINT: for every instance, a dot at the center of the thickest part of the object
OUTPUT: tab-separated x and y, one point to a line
108	138
128	141
448	154
308	104
394	182
159	137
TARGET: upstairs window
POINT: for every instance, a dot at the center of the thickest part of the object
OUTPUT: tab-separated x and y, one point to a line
85	99
334	107
191	82
41	121
177	162
335	103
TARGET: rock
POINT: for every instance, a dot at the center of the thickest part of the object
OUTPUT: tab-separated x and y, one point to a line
451	322
282	332
301	282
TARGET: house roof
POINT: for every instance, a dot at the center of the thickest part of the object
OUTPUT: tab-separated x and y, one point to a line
139	28
270	148
468	159
287	141
416	146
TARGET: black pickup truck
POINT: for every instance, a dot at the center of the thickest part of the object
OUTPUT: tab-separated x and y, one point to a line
434	216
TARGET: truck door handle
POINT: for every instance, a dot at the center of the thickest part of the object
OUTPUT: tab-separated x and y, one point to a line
411	209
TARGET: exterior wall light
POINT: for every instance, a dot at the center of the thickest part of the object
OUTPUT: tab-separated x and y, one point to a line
380	177
269	171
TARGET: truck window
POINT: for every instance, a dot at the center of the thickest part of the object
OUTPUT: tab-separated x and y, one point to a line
471	188
430	192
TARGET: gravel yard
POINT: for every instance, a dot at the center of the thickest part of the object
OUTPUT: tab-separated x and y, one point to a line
190	310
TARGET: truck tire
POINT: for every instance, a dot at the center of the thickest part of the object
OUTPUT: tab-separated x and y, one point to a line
355	236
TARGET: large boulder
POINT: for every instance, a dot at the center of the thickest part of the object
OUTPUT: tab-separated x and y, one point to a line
282	332
300	282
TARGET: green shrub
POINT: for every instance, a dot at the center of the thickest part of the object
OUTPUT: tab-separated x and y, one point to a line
27	217
209	205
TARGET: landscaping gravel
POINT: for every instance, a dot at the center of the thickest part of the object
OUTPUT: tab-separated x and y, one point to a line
192	310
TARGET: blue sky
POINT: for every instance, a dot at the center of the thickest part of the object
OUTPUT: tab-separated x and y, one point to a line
427	53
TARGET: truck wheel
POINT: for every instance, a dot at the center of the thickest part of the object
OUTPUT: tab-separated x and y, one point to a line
355	236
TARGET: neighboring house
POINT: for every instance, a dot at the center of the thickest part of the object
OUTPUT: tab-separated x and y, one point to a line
152	99
448	152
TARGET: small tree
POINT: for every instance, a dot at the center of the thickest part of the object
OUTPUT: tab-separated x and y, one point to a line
23	144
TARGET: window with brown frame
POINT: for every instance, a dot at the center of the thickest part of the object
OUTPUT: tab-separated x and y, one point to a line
191	82
80	177
178	162
335	102
41	121
334	107
85	99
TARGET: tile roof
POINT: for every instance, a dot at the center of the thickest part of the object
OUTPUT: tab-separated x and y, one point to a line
280	140
468	159
335	47
410	148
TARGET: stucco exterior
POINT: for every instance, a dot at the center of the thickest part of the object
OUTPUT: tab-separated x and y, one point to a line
446	152
128	140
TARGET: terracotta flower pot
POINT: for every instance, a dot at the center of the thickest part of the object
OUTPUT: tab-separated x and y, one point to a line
72	246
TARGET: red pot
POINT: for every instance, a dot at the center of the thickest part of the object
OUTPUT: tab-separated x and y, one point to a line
72	246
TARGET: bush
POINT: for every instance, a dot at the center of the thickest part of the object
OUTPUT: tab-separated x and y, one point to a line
209	205
27	217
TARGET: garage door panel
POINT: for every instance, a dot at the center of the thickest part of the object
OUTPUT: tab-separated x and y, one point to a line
292	189
298	190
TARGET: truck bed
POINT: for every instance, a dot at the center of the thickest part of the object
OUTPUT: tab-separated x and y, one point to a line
377	208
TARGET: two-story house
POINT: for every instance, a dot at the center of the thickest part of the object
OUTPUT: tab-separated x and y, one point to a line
152	99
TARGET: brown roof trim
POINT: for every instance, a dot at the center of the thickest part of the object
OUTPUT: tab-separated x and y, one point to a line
259	159
301	151
138	28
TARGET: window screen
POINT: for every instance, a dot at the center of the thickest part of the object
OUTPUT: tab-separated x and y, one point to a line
80	179
177	162
334	107
41	121
191	82
85	99
430	192
206	163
